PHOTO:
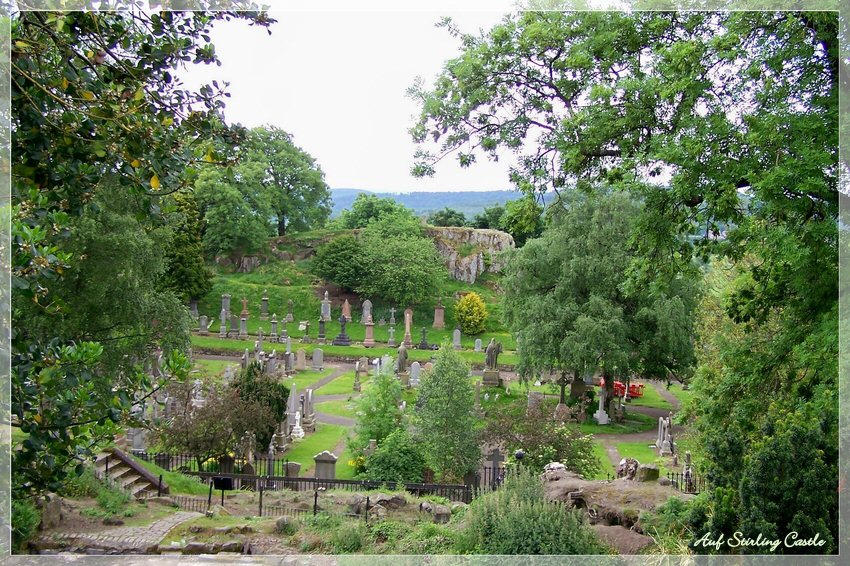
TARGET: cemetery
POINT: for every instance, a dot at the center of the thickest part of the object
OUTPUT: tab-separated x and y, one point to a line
631	351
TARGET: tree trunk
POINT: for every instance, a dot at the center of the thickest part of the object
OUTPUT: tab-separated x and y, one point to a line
281	227
563	382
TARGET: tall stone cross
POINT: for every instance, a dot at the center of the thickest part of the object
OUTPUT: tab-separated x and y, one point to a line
496	458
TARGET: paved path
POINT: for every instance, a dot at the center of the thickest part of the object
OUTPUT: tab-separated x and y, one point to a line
669	397
125	538
325	380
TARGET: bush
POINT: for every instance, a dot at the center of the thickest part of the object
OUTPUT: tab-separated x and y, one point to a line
341	261
286	526
386	531
397	458
84	485
347	538
25	521
471	314
428	538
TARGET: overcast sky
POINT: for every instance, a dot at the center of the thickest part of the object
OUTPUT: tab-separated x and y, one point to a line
337	82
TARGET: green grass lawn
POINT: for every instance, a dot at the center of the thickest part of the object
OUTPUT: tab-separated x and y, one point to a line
643	453
606	467
344	384
178	484
634	422
326	437
683	395
651	398
342	408
303	379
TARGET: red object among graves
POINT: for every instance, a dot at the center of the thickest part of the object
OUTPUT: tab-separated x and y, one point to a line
635	389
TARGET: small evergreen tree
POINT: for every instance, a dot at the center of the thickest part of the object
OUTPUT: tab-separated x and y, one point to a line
471	313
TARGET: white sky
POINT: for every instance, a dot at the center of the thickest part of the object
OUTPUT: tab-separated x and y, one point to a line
337	81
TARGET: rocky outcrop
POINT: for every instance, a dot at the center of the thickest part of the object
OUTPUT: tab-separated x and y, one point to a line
469	252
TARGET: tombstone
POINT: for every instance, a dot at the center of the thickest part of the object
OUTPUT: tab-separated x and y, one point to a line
366	311
297	430
478	398
456	339
271	363
428	366
290	362
415	369
364	366
283	336
325	465
245	359
243	328
392	316
423	344
659	437
391	332
577	388
193	308
202	329
244	314
600	415
291	469
325	313
320	338
369	339
370	449
439	315
346	310
357	387
288	345
289	316
274	328
667	445
228	374
478	347
306	338
234	325
486	396
495	459
408	322
382	322
264	305
318	359
301	360
225	464
222	329
308	420
342	339
136	436
534	399
225	303
492	376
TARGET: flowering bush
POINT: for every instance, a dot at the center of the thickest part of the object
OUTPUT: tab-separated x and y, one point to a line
471	314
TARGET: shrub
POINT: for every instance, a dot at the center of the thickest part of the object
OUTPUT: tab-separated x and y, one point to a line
286	526
386	531
347	538
428	538
112	499
84	485
471	314
341	261
25	521
398	458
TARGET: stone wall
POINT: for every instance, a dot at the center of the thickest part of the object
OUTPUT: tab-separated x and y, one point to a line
469	252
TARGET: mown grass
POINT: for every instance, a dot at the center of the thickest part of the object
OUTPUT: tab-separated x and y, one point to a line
634	422
326	437
606	466
651	398
178	483
344	384
341	408
643	453
683	395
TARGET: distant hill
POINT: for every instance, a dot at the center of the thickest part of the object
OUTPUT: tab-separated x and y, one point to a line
469	203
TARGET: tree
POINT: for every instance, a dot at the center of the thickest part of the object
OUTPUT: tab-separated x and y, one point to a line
300	197
186	272
342	261
378	410
368	207
93	93
575	275
471	314
490	217
252	385
738	114
395	241
447	217
398	458
522	219
446	423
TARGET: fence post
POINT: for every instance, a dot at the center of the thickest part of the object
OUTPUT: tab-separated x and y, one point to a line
261	500
367	509
209	497
159	487
315	502
106	472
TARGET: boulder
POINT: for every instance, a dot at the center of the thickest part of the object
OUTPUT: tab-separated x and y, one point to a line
51	511
647	472
664	481
439	513
552	466
232	546
112	522
217	511
377	512
357	504
285	526
457	507
389	501
196	548
162	500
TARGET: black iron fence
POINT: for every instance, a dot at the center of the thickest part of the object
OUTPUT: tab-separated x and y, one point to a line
686	482
190	503
265	465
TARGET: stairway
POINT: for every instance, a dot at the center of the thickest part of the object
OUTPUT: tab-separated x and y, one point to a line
123	472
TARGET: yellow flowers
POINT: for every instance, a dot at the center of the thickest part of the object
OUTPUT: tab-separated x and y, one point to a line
155	184
135	164
88	95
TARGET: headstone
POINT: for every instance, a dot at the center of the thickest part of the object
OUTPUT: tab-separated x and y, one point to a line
225	464
408	322
366	312
392	316
364	367
415	369
290	361
243	327
423	344
577	388
342	339
428	366
456	339
600	415
301	360
245	359
274	328
325	465
402	358
477	397
478	347
534	399
234	325
357	386
346	310
264	305
291	469
222	329
382	322
370	449
306	338
289	316
288	345
244	314
284	335
225	303
320	338
318	359
325	314
308	420
369	339
495	459
297	431
439	315
202	329
193	308
391	332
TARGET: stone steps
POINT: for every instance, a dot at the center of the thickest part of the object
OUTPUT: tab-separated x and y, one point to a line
126	474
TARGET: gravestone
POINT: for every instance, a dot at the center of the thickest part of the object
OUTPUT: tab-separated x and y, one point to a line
222	329
305	339
415	369
456	339
600	415
369	339
290	361
382	322
392	316
428	366
366	312
478	398
289	316
234	325
225	303
408	323
478	347
193	309
325	313
243	327
391	332
495	459
320	338
364	367
492	377
308	420
288	345
534	399
244	314
346	310
245	359
264	305
342	339
357	386
423	344
283	336
291	469
439	315
577	388
325	465
301	360
297	430
318	359
225	464
274	328
202	329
